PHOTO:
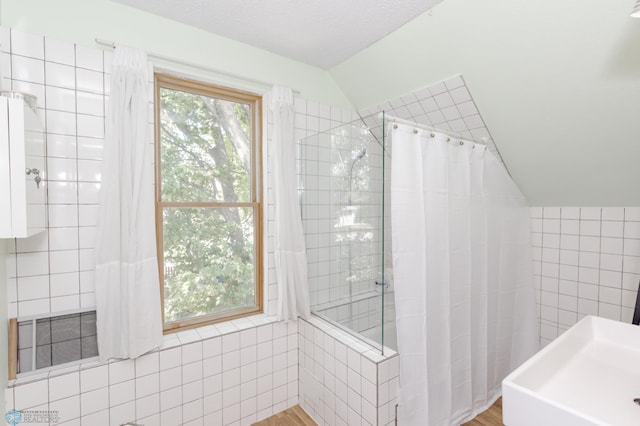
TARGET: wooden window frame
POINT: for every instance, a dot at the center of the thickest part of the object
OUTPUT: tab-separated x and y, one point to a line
168	81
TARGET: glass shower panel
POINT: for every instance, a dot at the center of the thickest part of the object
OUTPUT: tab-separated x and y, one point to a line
341	193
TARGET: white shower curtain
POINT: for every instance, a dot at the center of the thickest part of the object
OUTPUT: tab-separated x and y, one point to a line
129	319
290	254
465	301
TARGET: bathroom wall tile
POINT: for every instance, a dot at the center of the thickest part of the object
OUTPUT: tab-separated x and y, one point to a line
192	372
60	52
171	398
89	81
90	126
89	58
27	69
121	371
61	169
32	264
35	307
88	193
94	378
94	401
68	408
192	391
61	146
126	413
632	230
170	358
90	148
90	103
27	44
62	261
147	385
31	394
148	406
60	99
170	378
35	287
60	122
63	238
59	75
590	213
609	311
147	364
632	214
611	245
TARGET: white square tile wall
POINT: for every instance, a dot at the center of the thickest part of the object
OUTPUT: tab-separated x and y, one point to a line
233	373
342	381
447	106
207	377
52	271
586	262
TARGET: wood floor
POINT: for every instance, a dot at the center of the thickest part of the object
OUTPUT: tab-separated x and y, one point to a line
294	416
491	417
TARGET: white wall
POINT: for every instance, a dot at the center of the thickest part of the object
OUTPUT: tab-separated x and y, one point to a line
557	83
81	21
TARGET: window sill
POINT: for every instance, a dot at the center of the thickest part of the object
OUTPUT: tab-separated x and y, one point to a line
172	340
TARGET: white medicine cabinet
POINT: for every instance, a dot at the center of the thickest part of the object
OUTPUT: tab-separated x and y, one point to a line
22	167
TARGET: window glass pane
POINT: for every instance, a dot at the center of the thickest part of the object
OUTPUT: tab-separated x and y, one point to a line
205	148
208	261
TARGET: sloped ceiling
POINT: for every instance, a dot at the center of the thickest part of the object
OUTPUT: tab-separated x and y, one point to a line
321	33
557	82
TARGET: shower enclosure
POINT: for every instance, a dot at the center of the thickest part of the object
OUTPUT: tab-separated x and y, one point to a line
344	186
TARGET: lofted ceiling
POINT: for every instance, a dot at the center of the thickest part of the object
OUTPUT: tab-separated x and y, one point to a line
557	83
320	33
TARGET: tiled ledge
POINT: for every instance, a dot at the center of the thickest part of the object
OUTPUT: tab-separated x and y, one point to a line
371	353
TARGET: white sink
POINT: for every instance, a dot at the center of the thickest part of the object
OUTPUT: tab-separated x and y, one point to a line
588	376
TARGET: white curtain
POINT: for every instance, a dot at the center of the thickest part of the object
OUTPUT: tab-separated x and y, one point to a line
465	301
290	254
129	319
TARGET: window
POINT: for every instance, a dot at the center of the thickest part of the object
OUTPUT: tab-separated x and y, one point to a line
208	202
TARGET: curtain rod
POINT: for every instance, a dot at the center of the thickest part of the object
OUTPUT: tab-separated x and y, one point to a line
152	55
483	141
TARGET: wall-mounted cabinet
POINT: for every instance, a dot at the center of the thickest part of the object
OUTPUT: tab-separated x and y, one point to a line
22	167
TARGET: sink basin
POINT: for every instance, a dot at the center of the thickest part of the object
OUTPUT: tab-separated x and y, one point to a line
590	375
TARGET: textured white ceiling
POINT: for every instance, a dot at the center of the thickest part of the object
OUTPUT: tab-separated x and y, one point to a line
323	33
